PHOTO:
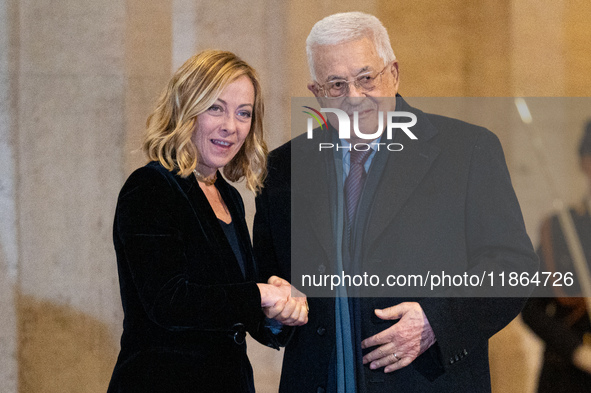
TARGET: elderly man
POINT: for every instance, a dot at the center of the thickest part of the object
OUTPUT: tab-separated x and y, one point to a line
444	201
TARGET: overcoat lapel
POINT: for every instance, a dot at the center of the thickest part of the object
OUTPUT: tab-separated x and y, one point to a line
387	192
313	172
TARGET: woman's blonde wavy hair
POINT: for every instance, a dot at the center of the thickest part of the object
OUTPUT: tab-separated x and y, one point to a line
192	90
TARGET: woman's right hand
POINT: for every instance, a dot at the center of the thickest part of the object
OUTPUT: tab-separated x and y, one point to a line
283	302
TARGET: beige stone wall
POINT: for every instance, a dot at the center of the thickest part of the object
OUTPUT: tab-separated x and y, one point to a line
147	68
450	48
78	78
576	36
8	246
68	140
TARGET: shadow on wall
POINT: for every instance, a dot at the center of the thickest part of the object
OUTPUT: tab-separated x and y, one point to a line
61	349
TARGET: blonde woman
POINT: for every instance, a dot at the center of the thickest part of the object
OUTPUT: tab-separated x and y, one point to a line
186	271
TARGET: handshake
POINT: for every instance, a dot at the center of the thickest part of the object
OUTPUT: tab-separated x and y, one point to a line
283	302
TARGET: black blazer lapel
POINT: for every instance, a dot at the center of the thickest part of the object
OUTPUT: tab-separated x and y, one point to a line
234	203
209	225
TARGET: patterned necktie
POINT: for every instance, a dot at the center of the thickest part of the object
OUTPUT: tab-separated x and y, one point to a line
354	185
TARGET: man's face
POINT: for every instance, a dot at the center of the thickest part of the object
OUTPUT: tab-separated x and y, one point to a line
346	62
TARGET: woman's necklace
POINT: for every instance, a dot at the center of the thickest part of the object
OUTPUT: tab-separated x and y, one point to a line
208	181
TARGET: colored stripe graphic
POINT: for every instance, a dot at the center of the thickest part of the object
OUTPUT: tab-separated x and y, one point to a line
316	117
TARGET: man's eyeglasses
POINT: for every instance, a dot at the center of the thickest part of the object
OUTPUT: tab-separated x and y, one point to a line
340	87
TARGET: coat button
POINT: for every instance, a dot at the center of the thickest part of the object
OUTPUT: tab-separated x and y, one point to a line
239	333
320	390
451	361
457	358
321	331
465	352
321	268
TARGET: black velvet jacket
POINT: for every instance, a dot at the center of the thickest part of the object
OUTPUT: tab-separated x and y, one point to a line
187	304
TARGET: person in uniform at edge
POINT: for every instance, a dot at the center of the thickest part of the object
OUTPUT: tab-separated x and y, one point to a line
445	201
562	322
186	267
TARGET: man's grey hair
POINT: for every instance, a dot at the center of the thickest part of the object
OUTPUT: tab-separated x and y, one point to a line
346	27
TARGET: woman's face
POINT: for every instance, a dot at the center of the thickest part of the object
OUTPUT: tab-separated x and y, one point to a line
221	130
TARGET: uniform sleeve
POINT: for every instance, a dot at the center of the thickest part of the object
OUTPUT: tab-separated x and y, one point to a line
540	314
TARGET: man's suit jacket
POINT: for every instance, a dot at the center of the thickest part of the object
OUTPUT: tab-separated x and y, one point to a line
443	203
187	304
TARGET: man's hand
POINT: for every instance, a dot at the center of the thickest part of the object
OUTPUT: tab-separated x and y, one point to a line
283	302
402	342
